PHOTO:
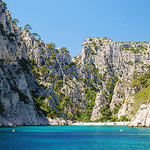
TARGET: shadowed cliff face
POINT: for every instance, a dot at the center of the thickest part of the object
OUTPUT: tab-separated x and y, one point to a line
20	93
39	81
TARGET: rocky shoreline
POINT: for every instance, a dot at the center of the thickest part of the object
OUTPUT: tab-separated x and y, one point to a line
142	117
47	122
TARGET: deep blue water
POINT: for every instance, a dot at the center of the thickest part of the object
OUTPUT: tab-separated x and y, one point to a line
74	138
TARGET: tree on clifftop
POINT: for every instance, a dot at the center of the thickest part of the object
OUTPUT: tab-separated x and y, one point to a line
15	21
27	27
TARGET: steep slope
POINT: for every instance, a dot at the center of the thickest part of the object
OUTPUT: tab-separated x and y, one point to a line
116	63
39	82
18	86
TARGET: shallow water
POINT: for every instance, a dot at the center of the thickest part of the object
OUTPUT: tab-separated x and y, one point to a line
74	138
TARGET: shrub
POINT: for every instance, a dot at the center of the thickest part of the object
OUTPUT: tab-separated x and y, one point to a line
129	63
43	70
106	113
15	21
32	62
5	5
90	96
27	27
51	46
116	109
114	118
36	36
58	85
65	69
123	118
90	39
64	50
24	64
53	56
83	116
69	116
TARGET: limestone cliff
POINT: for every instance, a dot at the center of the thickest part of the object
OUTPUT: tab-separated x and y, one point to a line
39	82
142	118
18	85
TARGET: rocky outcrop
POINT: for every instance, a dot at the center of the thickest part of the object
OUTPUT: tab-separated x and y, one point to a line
18	87
39	82
100	102
142	117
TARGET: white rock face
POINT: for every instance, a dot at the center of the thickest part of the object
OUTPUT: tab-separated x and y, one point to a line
95	69
118	97
57	121
100	102
142	117
17	82
7	48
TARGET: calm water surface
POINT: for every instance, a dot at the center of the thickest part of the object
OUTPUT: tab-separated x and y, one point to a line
74	138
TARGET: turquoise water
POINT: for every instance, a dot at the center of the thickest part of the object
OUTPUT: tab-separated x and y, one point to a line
74	138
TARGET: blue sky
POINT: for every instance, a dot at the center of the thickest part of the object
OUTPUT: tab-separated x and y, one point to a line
68	22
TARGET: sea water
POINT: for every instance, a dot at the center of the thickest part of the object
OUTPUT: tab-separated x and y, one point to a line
74	138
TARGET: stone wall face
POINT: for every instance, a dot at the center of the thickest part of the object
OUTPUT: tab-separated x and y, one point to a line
29	68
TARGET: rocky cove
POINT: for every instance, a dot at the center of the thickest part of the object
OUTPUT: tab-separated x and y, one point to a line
42	85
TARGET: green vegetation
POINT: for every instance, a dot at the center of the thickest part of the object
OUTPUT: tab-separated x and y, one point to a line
65	69
51	46
64	50
142	85
69	116
106	114
35	69
95	46
91	67
83	116
101	77
27	27
93	53
123	118
40	105
33	63
36	36
140	81
53	56
105	38
5	5
116	109
130	63
24	64
90	39
15	21
110	87
90	96
43	70
136	50
58	85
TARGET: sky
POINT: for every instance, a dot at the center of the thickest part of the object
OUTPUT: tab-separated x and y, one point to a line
68	23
